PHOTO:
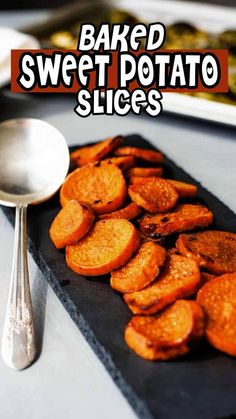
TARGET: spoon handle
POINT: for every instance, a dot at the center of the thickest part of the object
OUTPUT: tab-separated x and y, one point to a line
18	342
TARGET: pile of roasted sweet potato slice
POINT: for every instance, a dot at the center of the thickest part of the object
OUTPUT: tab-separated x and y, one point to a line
119	215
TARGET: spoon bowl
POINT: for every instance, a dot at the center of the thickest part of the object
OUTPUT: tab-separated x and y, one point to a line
34	162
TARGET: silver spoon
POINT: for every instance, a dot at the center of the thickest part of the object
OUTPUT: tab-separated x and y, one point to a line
34	161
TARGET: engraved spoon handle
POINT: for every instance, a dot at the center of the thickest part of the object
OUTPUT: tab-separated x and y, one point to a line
18	342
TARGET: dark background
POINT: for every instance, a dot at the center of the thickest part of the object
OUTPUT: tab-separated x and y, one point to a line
38	4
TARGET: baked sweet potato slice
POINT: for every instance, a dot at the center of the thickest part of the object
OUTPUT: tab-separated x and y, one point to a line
107	246
145	172
182	218
180	278
71	224
215	251
170	334
123	162
140	153
141	270
218	300
101	185
95	152
156	195
129	212
185	190
136	180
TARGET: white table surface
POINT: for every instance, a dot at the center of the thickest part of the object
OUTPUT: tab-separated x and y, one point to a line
68	381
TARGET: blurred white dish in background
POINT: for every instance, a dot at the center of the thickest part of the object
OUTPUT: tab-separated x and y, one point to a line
11	39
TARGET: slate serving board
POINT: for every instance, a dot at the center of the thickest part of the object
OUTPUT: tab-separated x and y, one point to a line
202	385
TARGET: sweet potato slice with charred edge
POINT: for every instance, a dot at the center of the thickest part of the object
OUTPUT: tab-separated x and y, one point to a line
101	185
170	334
156	195
178	279
215	251
141	270
95	152
71	224
182	218
145	172
218	300
108	245
142	154
123	162
185	190
129	212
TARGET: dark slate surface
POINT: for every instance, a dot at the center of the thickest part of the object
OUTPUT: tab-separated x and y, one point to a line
198	386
